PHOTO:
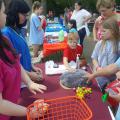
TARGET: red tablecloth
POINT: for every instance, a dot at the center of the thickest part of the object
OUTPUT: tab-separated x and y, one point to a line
50	48
99	109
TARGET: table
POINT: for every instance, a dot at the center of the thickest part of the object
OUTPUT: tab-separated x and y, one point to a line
53	29
50	48
99	109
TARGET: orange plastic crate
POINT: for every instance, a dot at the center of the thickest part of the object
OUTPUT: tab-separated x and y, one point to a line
66	108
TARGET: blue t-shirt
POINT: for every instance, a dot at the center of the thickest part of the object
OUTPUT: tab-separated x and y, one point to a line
106	55
118	62
19	43
73	30
36	36
61	21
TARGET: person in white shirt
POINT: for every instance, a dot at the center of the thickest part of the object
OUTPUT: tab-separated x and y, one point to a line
81	16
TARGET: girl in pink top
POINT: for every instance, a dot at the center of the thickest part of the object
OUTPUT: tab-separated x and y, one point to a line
11	74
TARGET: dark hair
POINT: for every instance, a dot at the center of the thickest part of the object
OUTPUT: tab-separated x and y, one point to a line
80	4
15	7
4	44
36	5
1	1
73	22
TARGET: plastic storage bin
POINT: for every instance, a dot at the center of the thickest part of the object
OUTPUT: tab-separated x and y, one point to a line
65	108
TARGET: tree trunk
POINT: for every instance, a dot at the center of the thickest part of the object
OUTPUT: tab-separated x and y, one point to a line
29	2
43	2
6	2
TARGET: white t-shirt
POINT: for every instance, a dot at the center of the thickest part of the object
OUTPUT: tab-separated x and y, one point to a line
80	16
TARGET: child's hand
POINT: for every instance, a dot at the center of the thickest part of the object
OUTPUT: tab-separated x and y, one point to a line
116	96
89	76
34	87
37	69
36	76
98	68
39	109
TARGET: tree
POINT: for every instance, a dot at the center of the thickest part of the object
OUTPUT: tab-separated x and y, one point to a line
59	5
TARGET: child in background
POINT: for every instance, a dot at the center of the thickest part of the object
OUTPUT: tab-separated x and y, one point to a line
70	53
36	31
61	19
72	26
107	50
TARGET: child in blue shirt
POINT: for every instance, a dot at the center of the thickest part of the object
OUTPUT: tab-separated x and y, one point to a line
107	50
61	20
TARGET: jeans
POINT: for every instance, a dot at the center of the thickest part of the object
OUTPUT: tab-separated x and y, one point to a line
102	81
82	33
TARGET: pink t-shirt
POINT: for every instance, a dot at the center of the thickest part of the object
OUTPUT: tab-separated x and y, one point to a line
98	25
10	81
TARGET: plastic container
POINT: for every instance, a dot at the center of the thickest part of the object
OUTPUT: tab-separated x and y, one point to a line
66	108
61	35
113	86
77	61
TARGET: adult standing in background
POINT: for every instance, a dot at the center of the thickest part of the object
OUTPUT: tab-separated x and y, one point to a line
36	31
81	16
106	9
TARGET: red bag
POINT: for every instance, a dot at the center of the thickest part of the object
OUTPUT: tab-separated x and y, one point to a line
113	88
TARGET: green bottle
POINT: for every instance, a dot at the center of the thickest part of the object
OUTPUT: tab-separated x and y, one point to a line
105	97
61	35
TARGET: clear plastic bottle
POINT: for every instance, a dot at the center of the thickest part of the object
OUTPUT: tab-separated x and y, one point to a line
77	61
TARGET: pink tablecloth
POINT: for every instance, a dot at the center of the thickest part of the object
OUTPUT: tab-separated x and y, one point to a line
99	109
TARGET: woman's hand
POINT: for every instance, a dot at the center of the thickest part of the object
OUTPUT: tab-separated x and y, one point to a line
36	76
116	96
34	87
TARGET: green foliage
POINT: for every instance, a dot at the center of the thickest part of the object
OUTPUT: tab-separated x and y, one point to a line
117	2
58	5
36	0
90	5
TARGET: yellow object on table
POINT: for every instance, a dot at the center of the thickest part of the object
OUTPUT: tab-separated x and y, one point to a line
82	91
